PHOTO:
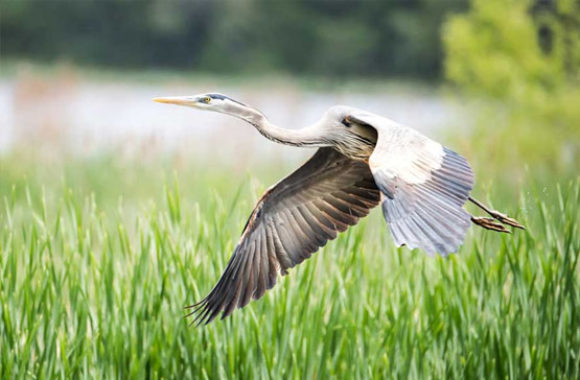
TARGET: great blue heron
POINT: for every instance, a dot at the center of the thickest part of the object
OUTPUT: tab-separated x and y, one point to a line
363	159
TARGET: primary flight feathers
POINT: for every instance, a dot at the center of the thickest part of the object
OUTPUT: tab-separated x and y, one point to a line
290	222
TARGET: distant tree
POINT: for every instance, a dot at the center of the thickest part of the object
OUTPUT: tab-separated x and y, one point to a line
525	55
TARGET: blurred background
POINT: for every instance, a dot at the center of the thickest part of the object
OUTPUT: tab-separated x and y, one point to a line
488	77
116	211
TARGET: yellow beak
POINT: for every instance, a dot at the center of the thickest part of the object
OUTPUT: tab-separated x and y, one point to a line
179	100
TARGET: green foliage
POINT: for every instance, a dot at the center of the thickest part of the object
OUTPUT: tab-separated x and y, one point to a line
497	52
330	38
94	275
523	58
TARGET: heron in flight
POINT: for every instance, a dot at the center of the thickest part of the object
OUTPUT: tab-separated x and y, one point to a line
363	159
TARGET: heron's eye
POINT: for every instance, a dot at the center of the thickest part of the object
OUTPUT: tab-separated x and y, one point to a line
346	122
207	99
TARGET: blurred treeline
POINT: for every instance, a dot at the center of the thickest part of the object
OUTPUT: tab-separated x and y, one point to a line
330	38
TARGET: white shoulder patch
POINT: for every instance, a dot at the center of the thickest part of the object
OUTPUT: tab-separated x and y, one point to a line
405	153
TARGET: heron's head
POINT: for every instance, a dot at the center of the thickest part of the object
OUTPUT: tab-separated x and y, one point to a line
211	102
345	122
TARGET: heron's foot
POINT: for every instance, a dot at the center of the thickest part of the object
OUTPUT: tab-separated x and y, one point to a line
495	214
506	219
489	224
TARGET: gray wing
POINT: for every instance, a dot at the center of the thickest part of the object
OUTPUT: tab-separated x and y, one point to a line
292	220
425	187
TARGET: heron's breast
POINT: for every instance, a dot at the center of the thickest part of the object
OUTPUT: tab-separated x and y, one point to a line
357	150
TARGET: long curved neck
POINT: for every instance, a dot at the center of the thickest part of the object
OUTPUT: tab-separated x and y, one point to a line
308	136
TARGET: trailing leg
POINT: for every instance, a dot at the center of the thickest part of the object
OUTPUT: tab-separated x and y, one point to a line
489	223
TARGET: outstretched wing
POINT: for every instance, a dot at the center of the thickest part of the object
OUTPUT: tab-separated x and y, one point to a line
425	186
292	220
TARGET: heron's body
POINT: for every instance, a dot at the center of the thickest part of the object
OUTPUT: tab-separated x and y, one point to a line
363	160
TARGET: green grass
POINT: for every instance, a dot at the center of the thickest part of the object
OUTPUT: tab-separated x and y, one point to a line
98	259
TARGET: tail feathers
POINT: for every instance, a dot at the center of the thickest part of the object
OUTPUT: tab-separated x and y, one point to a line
490	223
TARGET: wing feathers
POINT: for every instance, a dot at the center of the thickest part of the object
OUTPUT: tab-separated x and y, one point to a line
274	264
429	215
320	229
425	186
290	222
263	269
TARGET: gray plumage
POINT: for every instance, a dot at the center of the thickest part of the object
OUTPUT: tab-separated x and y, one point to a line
363	159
